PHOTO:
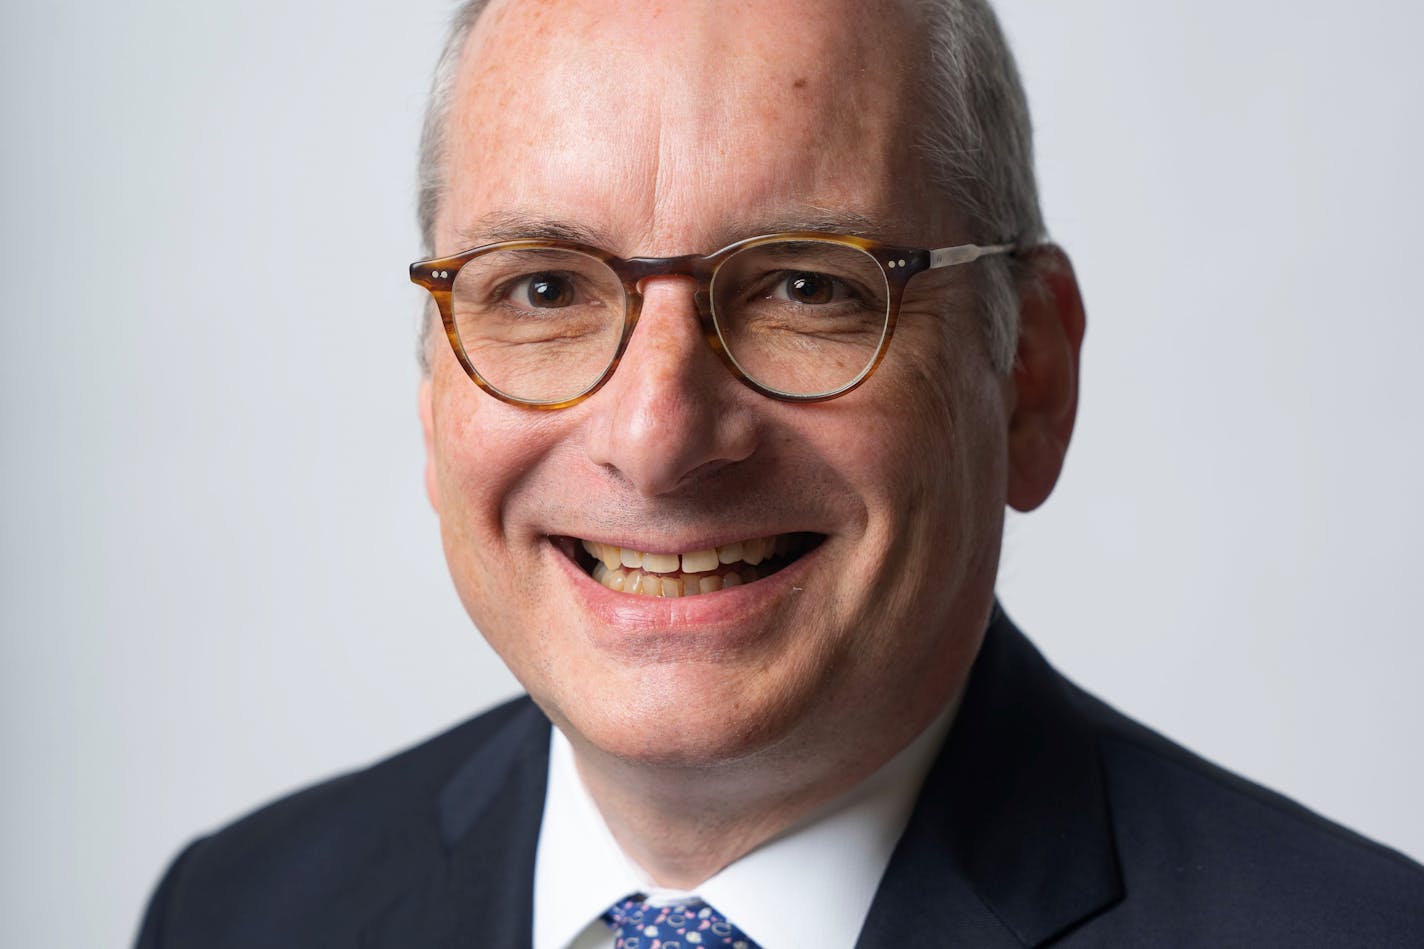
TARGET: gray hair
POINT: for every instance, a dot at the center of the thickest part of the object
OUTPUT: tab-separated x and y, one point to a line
977	142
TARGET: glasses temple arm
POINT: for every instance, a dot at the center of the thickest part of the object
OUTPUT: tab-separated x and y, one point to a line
965	253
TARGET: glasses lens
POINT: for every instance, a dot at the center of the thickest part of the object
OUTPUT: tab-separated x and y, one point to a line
801	317
539	324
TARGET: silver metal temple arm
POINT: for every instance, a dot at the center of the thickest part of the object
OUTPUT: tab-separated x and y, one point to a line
965	253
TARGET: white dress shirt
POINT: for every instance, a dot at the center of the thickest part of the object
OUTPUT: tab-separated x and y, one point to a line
828	866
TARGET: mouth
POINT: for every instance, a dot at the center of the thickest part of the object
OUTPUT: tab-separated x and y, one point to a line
641	573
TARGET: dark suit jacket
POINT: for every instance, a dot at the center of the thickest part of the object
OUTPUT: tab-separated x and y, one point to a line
1048	819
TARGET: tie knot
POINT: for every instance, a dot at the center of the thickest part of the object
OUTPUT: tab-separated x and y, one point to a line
689	925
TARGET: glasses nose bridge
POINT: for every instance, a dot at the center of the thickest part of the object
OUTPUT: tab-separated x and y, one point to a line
635	270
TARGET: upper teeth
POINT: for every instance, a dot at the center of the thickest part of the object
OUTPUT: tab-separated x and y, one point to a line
752	551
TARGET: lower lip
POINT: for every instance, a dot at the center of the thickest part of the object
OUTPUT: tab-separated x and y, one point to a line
722	619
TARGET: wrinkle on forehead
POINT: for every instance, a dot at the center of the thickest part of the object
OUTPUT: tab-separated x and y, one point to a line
675	125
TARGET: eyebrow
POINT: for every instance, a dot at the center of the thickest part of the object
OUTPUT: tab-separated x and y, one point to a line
508	226
826	220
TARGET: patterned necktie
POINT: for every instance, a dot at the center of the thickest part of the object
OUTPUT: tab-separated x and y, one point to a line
691	925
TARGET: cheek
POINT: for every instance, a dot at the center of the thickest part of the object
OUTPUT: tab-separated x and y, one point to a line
941	457
467	481
960	422
457	425
484	454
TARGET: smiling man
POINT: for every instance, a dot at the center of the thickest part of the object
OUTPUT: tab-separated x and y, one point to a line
743	336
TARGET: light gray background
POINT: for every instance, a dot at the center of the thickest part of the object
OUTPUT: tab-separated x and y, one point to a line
220	578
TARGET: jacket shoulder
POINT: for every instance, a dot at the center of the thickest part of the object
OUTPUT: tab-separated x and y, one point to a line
1234	863
301	869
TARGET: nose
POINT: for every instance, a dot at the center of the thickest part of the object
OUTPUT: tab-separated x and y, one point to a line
671	413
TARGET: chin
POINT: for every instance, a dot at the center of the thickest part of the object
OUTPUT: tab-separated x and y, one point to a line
679	715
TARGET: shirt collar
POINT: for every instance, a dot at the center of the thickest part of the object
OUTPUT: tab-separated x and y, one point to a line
580	871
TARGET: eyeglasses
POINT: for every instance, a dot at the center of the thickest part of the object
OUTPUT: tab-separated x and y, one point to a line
801	317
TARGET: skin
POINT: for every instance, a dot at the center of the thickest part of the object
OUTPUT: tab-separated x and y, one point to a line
704	725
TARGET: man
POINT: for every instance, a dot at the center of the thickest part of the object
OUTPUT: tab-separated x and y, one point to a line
746	336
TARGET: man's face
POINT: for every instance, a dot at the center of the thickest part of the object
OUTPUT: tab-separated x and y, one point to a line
673	129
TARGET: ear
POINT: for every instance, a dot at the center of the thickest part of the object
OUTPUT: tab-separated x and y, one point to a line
1045	377
425	405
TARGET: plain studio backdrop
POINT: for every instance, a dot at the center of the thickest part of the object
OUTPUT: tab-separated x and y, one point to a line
221	579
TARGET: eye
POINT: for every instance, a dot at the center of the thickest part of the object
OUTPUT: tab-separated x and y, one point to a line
808	287
544	290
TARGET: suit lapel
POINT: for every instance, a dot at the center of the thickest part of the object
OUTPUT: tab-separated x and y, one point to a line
1010	843
480	890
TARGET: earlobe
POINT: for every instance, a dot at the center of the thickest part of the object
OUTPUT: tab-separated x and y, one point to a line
1045	377
425	406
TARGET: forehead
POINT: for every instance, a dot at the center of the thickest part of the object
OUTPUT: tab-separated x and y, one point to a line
671	128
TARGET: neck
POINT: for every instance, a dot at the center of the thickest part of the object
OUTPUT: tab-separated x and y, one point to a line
683	824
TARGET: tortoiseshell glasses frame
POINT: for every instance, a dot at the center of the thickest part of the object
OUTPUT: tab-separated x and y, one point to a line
897	266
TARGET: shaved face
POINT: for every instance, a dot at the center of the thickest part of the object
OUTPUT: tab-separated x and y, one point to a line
863	532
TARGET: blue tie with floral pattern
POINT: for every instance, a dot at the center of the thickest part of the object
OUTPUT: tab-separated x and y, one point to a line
691	925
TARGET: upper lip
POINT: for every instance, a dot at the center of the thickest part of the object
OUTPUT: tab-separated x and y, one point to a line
777	549
662	547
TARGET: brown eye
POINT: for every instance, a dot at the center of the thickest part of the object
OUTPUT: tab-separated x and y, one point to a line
809	288
549	290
